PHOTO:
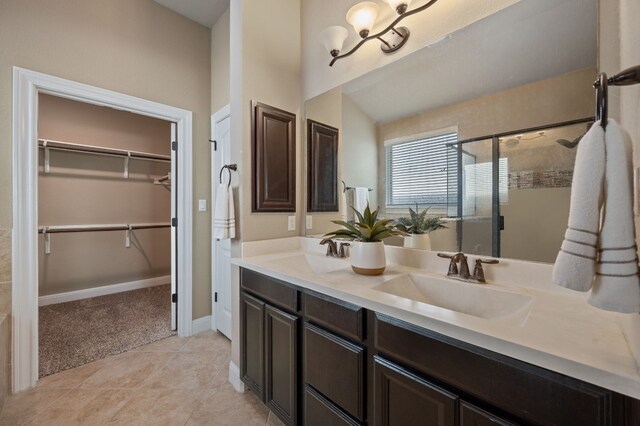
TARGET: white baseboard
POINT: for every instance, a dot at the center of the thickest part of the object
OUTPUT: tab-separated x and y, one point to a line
70	296
201	324
234	377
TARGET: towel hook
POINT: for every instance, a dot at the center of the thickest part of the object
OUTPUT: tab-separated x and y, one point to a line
229	168
601	86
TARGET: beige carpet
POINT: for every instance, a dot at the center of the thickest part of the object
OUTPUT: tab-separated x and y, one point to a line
75	333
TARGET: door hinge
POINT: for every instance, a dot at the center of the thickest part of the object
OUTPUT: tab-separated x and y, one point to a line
215	297
174	221
174	298
174	146
502	223
215	144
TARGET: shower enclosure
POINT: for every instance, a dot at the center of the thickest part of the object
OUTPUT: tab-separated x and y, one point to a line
509	193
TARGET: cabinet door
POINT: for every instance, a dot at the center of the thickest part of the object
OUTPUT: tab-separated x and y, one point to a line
471	415
401	398
252	343
281	338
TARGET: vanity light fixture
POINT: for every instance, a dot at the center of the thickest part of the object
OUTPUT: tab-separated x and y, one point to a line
362	17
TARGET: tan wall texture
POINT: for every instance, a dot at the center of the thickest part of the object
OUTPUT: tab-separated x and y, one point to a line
134	47
85	189
220	57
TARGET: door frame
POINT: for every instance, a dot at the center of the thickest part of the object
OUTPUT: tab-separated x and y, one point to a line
216	117
27	85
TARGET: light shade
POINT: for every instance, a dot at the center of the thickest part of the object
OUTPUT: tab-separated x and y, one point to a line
332	38
362	16
399	6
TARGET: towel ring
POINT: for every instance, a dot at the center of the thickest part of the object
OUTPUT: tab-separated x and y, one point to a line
601	86
229	168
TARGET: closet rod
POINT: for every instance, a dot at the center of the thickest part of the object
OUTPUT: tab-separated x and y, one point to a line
93	228
92	149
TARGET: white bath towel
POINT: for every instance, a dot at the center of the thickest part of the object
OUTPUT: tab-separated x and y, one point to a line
617	285
360	198
575	265
224	220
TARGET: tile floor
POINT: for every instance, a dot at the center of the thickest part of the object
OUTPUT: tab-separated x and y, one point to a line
175	381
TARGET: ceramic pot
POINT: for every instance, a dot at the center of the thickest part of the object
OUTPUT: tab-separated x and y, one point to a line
368	258
418	241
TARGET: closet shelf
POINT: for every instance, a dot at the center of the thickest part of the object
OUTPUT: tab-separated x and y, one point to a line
127	155
127	227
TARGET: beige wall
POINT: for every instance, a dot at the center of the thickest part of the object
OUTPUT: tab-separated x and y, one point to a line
134	47
265	59
88	189
220	57
359	133
327	109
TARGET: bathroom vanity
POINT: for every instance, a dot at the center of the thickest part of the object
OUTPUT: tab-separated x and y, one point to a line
323	346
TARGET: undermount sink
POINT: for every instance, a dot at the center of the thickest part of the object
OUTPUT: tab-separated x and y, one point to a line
314	263
471	299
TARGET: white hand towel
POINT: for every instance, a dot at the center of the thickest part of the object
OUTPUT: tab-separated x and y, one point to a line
361	198
617	285
344	208
224	220
576	262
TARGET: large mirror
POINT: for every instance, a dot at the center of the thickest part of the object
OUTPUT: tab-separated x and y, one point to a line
480	129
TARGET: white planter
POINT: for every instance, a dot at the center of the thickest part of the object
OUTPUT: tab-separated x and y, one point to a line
418	241
368	258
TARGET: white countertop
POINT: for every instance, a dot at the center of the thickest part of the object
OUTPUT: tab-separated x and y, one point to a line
561	333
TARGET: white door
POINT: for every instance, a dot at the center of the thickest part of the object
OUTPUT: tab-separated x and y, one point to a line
220	250
174	229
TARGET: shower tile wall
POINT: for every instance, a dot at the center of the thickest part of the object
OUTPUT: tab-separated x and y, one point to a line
5	313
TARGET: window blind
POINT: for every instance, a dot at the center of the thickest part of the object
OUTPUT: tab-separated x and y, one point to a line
422	171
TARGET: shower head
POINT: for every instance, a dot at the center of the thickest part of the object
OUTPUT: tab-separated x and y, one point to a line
569	144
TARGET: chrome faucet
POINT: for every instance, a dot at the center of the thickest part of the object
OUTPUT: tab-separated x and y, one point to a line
463	272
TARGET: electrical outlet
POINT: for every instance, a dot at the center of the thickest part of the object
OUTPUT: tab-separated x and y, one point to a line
291	223
202	205
309	221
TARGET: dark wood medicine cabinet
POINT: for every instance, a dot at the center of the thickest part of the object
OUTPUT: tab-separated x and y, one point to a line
322	167
273	137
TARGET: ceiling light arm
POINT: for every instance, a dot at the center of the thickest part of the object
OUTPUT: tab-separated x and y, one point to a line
383	32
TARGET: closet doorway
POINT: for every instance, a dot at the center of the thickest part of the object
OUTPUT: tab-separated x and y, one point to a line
27	88
106	250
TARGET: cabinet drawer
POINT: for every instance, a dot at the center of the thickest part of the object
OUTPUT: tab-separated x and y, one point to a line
321	412
471	415
340	317
529	393
270	289
335	367
402	398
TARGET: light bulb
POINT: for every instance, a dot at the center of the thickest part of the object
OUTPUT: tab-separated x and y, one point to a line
362	16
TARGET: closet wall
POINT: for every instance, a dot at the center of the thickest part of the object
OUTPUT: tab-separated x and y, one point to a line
91	189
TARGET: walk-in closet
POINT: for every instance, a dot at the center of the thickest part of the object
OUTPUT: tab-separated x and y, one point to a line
105	243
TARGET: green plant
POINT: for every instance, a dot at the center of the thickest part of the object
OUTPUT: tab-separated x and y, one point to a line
419	222
366	229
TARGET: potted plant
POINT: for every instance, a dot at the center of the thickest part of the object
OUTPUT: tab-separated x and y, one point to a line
367	248
418	226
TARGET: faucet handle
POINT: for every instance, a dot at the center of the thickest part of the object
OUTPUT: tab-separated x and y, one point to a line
453	267
343	253
478	271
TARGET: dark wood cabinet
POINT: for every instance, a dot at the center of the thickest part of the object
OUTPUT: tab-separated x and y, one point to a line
319	411
252	343
269	336
402	398
316	360
281	363
335	367
322	167
274	159
471	415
